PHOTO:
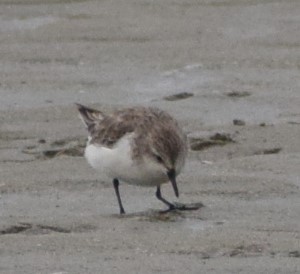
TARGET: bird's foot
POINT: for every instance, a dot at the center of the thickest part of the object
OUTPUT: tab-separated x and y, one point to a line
181	207
191	206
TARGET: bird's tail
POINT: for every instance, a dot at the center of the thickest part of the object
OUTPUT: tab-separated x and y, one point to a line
89	116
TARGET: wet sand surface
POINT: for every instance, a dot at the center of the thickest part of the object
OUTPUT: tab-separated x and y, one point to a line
228	70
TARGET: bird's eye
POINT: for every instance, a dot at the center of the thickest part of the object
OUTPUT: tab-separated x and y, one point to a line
158	159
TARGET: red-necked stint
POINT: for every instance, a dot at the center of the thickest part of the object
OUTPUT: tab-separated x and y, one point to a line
140	145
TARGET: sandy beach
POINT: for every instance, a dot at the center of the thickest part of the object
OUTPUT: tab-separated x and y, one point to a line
228	70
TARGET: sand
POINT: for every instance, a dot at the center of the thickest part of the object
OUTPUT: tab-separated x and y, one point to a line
228	70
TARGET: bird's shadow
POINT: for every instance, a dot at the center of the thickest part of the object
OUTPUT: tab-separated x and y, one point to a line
162	215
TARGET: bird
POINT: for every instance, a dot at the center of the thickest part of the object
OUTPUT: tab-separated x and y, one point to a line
142	146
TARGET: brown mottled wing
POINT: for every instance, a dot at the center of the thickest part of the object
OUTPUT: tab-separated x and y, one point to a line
108	131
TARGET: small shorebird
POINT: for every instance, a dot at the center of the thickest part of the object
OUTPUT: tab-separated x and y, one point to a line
141	146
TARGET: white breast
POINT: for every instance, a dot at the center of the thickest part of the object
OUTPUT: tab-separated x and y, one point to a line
117	162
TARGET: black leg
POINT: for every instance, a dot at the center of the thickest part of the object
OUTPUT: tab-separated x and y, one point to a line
159	197
116	186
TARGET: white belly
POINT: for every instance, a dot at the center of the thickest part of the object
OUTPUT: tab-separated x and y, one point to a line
117	163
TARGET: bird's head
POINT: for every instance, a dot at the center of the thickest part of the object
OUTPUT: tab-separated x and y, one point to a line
169	154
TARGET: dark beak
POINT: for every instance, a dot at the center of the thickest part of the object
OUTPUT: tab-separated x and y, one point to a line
172	177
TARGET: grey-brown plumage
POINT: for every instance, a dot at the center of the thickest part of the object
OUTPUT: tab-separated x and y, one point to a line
157	145
152	127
